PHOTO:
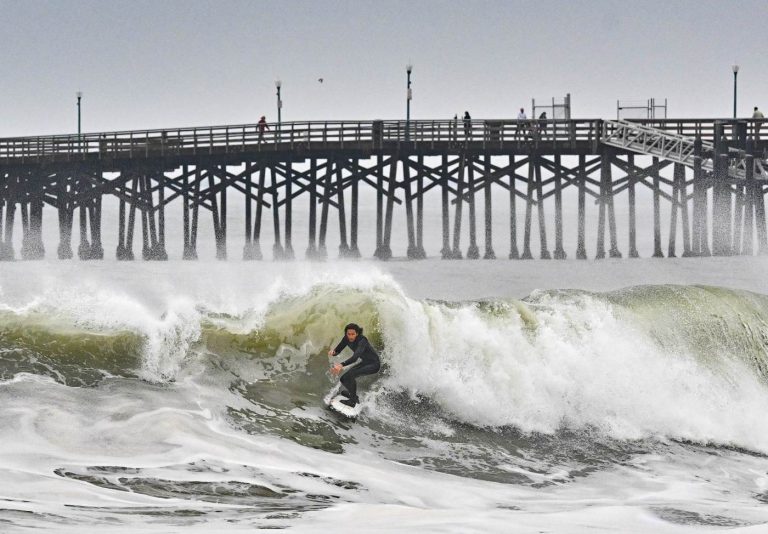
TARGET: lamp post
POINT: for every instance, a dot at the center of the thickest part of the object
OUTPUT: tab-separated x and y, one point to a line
79	97
278	84
409	95
735	69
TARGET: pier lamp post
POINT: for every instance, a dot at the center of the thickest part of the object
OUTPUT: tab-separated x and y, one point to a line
79	97
279	84
409	95
735	69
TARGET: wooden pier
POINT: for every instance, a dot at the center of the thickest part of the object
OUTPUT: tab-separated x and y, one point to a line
716	189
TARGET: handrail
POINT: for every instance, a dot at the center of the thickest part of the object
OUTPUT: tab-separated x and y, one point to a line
288	135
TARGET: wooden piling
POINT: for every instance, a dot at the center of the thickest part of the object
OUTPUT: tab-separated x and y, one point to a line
473	252
528	207
581	249
457	255
657	253
559	250
489	253
632	177
386	249
288	253
312	246
343	243
445	252
544	255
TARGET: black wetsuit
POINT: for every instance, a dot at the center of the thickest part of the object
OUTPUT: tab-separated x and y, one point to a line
369	363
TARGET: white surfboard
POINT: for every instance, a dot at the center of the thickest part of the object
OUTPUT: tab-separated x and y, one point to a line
333	401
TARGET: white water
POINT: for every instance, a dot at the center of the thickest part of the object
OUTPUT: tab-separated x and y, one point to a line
539	367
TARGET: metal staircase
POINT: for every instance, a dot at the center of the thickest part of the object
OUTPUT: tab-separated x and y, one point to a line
677	148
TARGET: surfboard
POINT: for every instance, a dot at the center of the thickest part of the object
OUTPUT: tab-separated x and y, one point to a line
333	401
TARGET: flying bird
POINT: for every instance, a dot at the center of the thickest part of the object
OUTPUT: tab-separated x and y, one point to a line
320	80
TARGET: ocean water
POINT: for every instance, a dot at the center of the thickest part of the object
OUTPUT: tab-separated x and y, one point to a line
616	396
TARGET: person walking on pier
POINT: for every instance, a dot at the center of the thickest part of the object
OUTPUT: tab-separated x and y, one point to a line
758	115
467	126
522	124
262	125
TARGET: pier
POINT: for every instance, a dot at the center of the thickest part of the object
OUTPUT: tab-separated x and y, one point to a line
715	193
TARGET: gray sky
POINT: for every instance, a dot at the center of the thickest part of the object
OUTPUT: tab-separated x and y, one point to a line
153	64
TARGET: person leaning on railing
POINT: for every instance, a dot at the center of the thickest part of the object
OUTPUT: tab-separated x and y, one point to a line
758	123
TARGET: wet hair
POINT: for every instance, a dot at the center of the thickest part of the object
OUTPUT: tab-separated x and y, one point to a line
355	327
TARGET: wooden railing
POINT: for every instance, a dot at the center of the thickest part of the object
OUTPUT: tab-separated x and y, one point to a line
328	134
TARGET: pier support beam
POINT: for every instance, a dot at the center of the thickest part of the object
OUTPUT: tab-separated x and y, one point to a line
124	250
6	228
311	253
32	247
84	249
248	252
581	249
749	200
700	204
559	250
288	253
544	255
614	252
457	255
154	214
386	249
97	248
657	253
489	253
759	203
354	251
260	193
631	177
721	198
343	244
445	252
322	249
473	252
188	198
513	253
420	252
278	253
412	251
528	207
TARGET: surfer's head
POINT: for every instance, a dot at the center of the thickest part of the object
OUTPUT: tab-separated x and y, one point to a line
352	331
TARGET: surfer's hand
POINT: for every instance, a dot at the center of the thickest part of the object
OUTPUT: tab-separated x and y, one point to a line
331	352
336	369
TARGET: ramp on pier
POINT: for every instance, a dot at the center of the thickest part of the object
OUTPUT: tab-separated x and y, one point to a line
672	147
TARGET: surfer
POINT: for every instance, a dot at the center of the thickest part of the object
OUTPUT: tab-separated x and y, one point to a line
367	358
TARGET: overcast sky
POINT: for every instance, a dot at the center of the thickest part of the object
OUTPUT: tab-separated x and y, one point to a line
153	64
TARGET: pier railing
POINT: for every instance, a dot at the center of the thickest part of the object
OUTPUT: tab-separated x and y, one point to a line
373	135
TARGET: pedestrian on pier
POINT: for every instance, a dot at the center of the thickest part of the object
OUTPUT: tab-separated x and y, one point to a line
522	124
467	126
262	125
758	115
543	124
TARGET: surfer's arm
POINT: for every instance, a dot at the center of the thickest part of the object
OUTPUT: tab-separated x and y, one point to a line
339	347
